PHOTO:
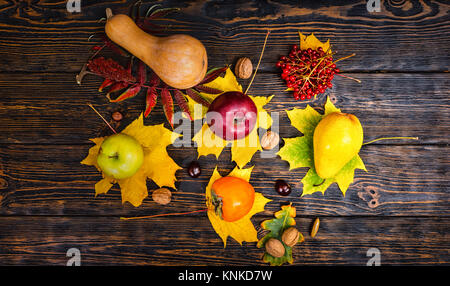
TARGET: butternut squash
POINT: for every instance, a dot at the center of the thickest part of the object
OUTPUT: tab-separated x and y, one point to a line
179	60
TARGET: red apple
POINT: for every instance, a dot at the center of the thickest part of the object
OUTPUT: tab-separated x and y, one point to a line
232	115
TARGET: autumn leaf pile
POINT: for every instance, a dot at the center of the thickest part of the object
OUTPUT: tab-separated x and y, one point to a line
158	165
120	84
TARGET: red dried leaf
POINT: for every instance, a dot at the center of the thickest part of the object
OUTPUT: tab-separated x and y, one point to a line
167	103
197	97
110	69
142	73
150	100
117	86
130	92
154	79
212	75
181	101
207	89
110	44
106	83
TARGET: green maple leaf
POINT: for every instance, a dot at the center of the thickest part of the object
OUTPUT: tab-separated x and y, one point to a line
283	220
299	151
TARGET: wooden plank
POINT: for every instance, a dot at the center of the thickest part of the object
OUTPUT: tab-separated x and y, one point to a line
401	181
404	36
192	241
52	108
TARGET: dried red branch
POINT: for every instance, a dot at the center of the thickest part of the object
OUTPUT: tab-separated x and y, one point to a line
167	103
150	100
181	101
110	69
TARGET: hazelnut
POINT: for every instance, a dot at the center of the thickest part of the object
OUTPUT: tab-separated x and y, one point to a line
290	236
117	116
275	248
269	140
162	196
243	68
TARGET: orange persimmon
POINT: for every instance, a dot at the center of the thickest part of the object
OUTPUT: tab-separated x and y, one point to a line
232	198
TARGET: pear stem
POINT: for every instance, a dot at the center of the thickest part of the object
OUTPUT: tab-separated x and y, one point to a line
90	105
320	183
160	215
390	138
259	61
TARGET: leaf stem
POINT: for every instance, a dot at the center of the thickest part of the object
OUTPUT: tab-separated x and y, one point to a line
259	61
390	138
90	105
160	215
349	77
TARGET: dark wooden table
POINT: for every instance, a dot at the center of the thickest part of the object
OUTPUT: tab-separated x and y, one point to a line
47	202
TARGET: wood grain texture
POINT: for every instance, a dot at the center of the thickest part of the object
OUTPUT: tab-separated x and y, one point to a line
52	108
400	206
109	241
402	181
404	36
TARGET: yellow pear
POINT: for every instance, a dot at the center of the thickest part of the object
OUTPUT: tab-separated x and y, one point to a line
337	139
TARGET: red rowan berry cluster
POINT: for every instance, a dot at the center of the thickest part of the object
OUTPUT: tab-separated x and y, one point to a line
307	72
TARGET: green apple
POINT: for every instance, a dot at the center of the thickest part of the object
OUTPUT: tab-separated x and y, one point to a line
120	156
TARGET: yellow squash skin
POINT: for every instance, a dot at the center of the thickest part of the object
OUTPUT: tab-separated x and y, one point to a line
337	139
179	60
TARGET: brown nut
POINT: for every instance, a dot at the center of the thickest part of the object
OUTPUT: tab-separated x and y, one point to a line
275	248
315	227
162	196
243	68
117	116
290	236
269	140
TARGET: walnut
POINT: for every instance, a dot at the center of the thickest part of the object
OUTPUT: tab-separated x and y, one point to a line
243	68
290	236
269	140
275	248
162	196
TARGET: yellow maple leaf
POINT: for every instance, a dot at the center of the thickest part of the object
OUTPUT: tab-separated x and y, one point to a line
242	229
242	150
158	165
312	42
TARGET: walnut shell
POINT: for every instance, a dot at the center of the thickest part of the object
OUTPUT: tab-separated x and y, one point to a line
275	248
243	68
269	140
290	236
162	196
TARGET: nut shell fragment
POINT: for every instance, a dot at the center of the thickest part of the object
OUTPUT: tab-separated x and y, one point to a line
162	196
275	248
269	140
290	236
243	68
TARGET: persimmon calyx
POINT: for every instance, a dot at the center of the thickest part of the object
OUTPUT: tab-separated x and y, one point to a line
217	204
